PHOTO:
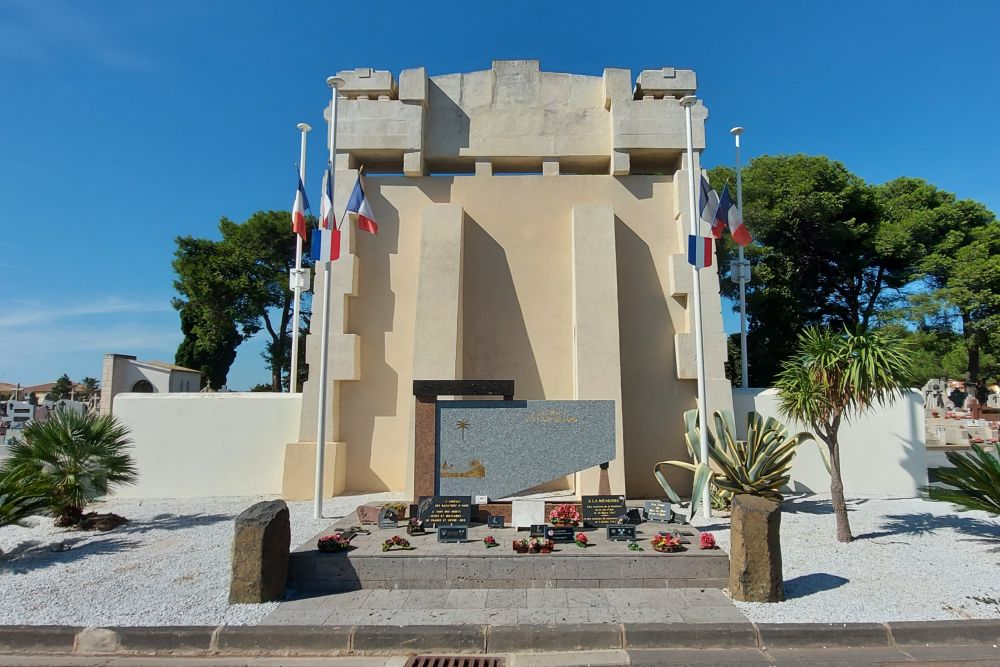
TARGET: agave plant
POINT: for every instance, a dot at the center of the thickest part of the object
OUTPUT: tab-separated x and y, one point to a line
18	502
975	481
757	466
73	459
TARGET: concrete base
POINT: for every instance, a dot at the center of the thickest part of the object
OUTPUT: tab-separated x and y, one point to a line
299	478
433	565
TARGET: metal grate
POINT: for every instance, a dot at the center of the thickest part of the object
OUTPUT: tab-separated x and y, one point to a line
455	661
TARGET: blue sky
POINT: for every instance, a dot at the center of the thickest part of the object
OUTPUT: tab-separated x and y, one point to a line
126	123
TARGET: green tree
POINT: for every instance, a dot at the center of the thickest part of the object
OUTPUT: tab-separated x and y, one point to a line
833	377
74	458
89	386
63	388
232	289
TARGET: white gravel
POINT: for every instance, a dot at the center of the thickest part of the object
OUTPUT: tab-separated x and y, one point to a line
168	566
912	560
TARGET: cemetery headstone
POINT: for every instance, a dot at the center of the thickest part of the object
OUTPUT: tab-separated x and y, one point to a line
602	510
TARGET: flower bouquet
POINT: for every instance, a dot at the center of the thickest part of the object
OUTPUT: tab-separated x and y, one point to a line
333	543
520	546
489	541
415	526
707	541
666	542
396	542
581	540
564	515
540	545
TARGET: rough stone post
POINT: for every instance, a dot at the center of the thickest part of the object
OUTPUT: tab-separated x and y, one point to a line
261	549
755	550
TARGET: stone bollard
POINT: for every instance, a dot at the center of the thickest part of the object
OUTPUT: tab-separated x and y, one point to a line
260	553
755	550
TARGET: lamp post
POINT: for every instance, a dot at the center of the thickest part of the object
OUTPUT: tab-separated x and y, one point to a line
740	272
298	280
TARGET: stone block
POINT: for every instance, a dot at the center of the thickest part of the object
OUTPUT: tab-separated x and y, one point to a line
755	553
167	639
284	639
420	638
821	635
966	631
261	553
667	81
413	85
689	635
37	638
562	637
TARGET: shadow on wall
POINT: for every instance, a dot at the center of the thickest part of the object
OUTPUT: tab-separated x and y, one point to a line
495	342
371	317
449	133
652	409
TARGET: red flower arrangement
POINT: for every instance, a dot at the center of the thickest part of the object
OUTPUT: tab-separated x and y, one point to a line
333	543
396	542
490	541
666	542
581	540
564	515
706	541
520	546
539	545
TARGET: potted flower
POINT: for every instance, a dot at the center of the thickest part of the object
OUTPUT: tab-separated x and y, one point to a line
415	526
520	546
564	515
581	540
540	545
707	541
396	542
333	543
489	541
666	542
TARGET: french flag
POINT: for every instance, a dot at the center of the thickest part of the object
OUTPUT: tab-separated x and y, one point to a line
358	205
327	220
299	212
709	207
730	214
700	251
319	251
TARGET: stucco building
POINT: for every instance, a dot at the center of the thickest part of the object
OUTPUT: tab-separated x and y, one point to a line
532	226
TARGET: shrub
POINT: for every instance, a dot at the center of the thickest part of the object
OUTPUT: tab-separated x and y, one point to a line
974	481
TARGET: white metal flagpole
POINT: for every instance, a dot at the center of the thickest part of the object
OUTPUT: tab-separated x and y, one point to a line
296	277
743	275
699	345
324	335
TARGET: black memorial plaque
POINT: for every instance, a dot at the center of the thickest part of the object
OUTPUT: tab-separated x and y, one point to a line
539	529
560	534
620	532
602	510
387	518
494	521
658	511
632	516
448	533
434	510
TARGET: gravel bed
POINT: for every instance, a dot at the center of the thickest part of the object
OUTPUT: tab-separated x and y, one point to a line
912	560
168	566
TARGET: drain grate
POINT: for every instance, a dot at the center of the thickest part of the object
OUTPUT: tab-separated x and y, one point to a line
455	661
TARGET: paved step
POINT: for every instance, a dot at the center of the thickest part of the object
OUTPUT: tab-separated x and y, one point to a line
533	606
434	565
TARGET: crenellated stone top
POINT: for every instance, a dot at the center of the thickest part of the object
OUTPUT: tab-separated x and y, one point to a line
515	117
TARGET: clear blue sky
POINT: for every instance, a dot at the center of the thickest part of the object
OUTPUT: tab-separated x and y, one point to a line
125	123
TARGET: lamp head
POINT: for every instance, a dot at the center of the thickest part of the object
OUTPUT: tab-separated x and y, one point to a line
689	101
304	127
334	81
736	131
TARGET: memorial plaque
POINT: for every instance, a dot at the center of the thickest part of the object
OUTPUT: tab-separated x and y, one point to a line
448	533
539	529
435	510
494	521
560	534
658	511
387	518
619	532
602	510
632	516
482	445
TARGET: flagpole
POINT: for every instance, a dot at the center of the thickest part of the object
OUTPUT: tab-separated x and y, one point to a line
324	331
742	276
296	280
687	102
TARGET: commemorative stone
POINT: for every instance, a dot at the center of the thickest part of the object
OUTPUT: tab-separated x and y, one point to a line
620	532
261	549
658	511
602	510
387	518
560	534
494	521
448	533
455	510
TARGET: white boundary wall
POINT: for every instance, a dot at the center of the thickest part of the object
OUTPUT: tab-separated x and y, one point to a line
202	445
883	453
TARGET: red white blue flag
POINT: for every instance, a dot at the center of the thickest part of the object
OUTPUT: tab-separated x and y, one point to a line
730	214
700	251
358	205
709	207
327	219
299	211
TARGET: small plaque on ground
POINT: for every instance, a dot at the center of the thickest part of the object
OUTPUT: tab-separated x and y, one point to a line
445	509
620	532
658	511
561	534
539	529
632	516
494	521
387	518
447	533
602	510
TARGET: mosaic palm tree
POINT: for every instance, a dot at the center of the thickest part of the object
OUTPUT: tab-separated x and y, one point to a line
462	425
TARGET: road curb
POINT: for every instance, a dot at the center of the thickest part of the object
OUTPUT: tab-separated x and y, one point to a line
282	640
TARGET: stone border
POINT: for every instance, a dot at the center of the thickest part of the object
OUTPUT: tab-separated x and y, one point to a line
292	640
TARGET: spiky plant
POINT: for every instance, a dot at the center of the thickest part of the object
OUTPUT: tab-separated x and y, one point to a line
974	481
73	458
756	466
18	502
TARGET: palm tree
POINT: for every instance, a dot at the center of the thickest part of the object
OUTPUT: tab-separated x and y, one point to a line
74	458
833	377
